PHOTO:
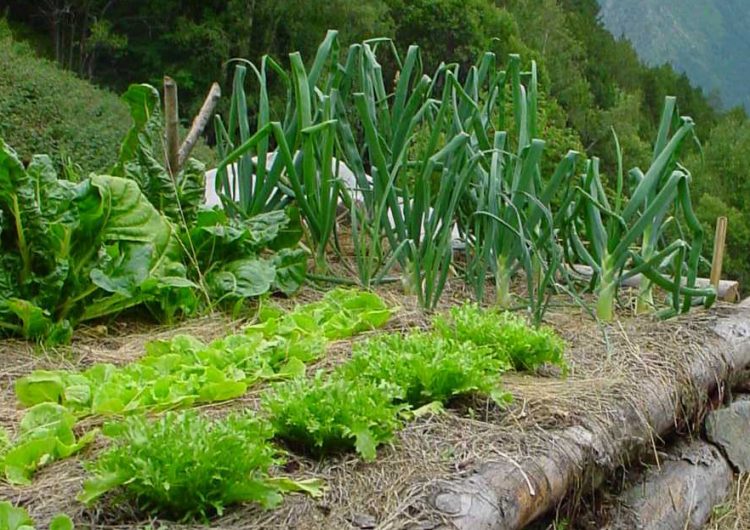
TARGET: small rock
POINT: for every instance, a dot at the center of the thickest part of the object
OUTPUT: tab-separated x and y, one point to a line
364	521
729	428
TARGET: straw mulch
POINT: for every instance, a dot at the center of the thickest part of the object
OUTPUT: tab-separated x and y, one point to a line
607	365
734	514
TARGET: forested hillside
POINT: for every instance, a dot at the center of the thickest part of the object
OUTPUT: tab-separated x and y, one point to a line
591	82
707	39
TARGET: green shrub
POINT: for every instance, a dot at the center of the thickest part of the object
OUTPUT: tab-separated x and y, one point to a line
505	334
44	109
184	465
424	367
333	414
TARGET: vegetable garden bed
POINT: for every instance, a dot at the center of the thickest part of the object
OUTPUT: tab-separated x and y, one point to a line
398	405
611	369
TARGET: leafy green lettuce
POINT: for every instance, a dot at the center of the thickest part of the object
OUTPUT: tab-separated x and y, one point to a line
184	465
12	518
45	434
184	370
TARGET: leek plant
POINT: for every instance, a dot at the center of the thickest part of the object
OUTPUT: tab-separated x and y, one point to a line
612	229
303	166
415	186
508	220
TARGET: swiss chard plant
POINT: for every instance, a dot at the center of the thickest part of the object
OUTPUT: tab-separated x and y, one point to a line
142	160
238	258
72	252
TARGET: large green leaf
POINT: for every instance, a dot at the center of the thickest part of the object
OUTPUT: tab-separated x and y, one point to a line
141	159
243	278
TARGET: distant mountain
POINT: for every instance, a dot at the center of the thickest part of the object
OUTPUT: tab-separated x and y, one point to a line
709	40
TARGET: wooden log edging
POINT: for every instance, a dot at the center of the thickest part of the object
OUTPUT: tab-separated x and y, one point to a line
508	495
678	496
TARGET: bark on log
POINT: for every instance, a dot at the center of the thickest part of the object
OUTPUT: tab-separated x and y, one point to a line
199	124
679	495
729	291
509	495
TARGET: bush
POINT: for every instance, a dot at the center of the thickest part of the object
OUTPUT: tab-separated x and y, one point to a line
44	109
184	465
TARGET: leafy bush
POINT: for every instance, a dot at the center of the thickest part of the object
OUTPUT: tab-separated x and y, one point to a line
44	109
505	334
328	414
184	465
421	368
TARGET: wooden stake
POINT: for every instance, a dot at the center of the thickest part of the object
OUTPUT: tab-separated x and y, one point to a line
718	257
171	125
199	124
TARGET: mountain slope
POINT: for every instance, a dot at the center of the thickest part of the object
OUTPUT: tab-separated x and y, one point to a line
707	39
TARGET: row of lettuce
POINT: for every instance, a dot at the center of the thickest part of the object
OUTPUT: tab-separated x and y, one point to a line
183	465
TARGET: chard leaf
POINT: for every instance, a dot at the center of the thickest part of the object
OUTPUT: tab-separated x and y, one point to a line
291	267
243	278
35	321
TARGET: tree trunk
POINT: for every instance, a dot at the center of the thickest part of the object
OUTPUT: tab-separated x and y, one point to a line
509	495
680	495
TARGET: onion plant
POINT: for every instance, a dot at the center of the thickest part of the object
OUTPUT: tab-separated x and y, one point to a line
612	229
425	152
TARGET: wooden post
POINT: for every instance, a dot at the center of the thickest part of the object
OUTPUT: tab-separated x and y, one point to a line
718	256
171	125
199	123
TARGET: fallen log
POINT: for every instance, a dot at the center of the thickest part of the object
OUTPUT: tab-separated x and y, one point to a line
680	494
508	495
729	290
